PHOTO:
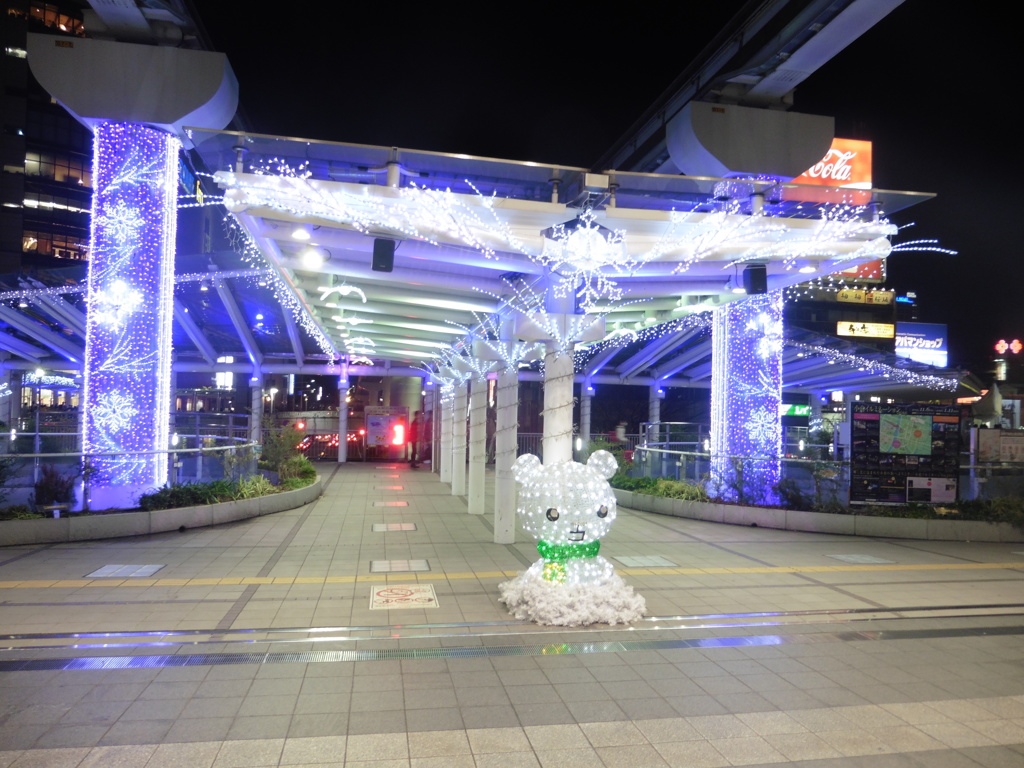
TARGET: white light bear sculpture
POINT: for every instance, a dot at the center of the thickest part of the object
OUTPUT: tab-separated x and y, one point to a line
568	507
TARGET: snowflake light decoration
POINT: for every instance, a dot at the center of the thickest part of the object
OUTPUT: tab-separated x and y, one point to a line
114	411
584	253
113	304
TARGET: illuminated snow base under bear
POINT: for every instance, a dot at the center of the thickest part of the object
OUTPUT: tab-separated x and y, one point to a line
568	507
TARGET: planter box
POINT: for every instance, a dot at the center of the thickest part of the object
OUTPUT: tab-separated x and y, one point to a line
86	527
822	522
891	527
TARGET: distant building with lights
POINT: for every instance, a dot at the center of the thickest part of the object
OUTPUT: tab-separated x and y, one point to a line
46	185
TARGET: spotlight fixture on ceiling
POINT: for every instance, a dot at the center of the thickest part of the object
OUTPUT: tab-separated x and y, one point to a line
314	257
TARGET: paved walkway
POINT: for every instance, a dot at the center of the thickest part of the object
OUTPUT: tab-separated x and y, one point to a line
256	644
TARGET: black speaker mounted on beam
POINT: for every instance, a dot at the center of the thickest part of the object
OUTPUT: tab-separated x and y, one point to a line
755	279
383	255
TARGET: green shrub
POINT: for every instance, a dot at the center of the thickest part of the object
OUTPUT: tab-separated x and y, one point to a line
294	483
624	482
280	446
676	489
8	466
791	496
254	487
19	512
188	495
53	488
296	466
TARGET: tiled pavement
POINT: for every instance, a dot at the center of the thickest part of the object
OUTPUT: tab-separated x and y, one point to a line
255	644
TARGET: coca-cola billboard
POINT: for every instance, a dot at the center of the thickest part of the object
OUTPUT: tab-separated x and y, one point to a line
846	170
847	164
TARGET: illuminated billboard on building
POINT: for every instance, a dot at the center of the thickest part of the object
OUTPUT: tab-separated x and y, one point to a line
865	330
924	342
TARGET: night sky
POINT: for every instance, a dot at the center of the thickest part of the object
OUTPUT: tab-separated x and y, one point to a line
932	91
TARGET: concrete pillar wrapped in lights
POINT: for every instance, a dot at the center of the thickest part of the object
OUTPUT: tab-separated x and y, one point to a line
447	402
126	385
477	445
342	419
459	408
505	449
136	99
746	390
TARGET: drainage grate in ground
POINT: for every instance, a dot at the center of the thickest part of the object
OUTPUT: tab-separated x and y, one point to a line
398	566
861	559
124	572
384	527
391	503
646	561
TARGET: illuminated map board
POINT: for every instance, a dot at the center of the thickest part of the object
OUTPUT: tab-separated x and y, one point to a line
901	453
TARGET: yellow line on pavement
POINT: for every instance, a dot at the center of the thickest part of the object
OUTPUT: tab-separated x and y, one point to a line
290	581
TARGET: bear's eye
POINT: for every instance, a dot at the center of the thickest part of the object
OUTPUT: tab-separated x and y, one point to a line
603	511
552	514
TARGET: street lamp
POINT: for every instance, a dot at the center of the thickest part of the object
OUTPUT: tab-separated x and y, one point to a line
273	393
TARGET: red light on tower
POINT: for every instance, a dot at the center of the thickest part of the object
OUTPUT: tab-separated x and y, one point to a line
1002	346
1016	346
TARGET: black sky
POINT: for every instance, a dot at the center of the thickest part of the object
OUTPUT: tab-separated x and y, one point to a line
932	90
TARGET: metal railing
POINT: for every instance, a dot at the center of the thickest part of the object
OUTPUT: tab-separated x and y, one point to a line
817	476
532	442
52	437
185	465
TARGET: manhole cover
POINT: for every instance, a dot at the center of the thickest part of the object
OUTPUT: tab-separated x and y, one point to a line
860	559
398	566
648	561
124	572
383	527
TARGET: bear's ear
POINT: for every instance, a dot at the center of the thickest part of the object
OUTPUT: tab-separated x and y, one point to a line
525	466
603	463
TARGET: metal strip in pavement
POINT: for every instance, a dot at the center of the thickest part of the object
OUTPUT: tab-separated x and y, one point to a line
551	649
246	580
810	613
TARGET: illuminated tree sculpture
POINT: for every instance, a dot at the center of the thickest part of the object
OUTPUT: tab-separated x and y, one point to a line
569	507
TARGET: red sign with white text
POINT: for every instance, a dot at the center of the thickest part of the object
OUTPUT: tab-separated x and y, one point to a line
846	165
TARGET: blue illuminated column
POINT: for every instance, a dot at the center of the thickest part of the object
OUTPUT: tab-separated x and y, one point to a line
126	397
746	390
